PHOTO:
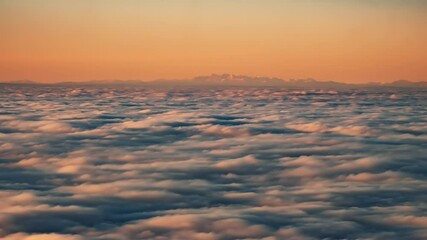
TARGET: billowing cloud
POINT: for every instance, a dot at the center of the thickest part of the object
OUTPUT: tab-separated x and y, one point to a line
118	163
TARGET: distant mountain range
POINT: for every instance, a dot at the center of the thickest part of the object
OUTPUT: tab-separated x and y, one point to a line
234	80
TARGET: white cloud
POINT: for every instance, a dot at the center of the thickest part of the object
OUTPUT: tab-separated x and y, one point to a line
207	164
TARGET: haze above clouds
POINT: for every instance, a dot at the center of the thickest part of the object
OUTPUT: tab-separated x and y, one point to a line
347	41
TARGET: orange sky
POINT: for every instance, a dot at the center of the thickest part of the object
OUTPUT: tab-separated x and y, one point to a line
348	41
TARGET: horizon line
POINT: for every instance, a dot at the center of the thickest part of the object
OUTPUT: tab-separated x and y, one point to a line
23	81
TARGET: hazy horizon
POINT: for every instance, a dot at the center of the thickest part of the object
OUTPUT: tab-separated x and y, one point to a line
205	75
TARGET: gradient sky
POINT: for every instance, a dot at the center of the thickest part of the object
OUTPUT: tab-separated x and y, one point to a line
349	41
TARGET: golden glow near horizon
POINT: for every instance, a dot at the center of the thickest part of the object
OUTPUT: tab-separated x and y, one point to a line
348	41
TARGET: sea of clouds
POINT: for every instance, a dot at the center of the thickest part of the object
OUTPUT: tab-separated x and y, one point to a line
232	163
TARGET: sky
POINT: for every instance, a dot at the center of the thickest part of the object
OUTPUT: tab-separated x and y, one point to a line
80	40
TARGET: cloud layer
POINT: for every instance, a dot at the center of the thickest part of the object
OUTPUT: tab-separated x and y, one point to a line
119	163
